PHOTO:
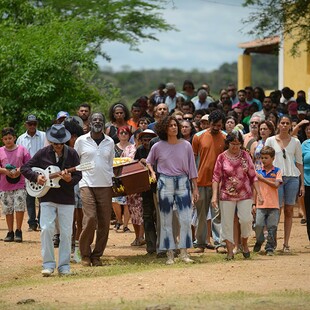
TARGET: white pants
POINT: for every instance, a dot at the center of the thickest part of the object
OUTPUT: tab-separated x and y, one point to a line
49	212
228	210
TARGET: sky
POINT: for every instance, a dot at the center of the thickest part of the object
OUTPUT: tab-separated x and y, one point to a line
208	36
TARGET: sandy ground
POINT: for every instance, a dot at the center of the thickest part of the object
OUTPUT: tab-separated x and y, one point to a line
20	262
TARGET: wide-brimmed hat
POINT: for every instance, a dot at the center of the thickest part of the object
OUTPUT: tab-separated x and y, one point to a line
58	134
147	132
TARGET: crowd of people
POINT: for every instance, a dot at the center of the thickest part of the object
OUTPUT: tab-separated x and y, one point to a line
218	169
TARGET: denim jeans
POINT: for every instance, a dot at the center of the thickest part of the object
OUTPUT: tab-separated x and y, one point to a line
270	218
49	212
174	191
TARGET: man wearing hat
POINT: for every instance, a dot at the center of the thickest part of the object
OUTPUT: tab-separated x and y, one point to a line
57	202
33	140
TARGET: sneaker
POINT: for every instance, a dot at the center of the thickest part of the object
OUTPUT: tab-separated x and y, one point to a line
18	236
33	227
9	237
64	273
269	253
257	247
170	256
117	226
56	240
286	249
47	272
76	256
126	230
184	257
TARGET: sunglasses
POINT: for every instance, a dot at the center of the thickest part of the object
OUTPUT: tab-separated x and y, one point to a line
32	124
58	143
284	153
254	123
188	118
124	133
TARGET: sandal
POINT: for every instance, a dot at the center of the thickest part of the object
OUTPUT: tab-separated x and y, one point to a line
135	243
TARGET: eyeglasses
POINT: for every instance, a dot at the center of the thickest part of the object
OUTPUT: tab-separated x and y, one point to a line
124	133
284	153
32	124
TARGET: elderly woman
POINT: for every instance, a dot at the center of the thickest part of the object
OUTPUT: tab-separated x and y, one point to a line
177	179
234	172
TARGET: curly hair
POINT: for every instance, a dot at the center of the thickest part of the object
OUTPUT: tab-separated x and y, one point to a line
114	107
216	116
161	128
232	136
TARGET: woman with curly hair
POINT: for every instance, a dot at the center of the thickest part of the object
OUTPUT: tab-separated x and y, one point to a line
233	178
118	116
176	184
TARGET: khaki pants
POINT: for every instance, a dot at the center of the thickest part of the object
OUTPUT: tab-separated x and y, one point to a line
97	208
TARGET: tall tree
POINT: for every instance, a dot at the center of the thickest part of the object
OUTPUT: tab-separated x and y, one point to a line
47	51
281	17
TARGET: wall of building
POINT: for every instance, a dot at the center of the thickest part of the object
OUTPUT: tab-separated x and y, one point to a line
296	70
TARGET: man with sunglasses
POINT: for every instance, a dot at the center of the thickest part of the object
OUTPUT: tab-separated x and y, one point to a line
58	202
33	140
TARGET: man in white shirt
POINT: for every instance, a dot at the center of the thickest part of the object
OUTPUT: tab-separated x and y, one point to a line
96	189
33	140
172	96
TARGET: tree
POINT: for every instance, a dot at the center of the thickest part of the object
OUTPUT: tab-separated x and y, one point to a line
47	52
281	17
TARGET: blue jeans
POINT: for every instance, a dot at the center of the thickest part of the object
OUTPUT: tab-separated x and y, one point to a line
49	212
270	218
174	190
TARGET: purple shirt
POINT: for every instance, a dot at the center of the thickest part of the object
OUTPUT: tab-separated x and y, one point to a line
173	159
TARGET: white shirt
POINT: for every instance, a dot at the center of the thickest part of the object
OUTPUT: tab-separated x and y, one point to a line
102	155
171	102
293	154
32	144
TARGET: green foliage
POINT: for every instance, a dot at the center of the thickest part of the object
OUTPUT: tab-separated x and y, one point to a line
276	17
48	48
139	83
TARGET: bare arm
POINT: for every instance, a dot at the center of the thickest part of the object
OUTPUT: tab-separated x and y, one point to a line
214	199
302	184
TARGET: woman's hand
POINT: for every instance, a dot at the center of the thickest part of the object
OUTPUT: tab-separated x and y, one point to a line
214	202
302	190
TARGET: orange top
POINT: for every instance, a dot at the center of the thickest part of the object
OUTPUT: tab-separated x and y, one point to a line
269	193
207	147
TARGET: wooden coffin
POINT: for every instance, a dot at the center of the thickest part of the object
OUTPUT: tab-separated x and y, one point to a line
130	178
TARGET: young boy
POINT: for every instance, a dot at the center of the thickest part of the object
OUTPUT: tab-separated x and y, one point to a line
12	184
267	214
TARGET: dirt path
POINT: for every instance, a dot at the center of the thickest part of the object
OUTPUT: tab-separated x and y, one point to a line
260	274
